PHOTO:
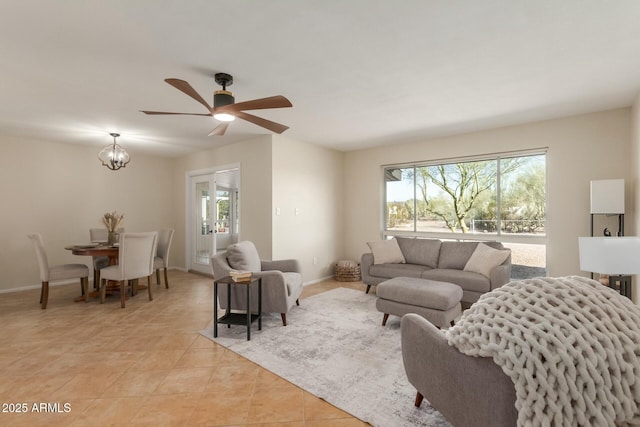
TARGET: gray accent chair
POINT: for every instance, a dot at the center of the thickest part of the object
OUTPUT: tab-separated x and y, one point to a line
466	390
281	280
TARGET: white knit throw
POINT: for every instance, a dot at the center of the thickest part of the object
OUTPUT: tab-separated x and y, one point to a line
570	345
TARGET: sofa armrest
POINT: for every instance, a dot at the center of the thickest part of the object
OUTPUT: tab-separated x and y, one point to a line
501	275
468	391
366	261
285	265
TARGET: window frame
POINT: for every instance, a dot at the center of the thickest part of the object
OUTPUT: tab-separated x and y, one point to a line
498	236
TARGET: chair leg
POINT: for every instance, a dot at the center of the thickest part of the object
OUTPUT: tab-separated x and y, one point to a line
122	294
81	288
166	280
103	290
284	319
85	288
149	287
384	319
368	287
44	294
157	276
297	302
419	398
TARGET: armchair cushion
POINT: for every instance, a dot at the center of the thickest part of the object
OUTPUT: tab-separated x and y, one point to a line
244	256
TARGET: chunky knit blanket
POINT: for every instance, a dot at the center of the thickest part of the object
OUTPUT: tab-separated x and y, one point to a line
570	345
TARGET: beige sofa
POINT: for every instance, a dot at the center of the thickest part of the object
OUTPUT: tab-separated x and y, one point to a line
445	261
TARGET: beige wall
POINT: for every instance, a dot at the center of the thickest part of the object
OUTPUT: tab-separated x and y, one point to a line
254	157
309	179
62	190
580	149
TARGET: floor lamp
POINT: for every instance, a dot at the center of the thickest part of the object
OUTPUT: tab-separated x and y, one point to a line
619	257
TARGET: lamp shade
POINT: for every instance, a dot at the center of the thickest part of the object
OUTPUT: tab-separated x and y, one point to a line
610	255
607	196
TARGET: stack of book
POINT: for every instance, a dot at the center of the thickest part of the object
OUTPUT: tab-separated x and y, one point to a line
240	276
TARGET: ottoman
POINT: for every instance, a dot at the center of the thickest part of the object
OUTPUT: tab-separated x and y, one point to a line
438	302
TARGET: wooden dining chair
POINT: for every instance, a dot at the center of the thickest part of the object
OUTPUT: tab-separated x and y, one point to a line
135	261
100	235
161	259
57	272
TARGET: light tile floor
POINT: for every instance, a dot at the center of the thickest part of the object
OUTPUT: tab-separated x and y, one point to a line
87	364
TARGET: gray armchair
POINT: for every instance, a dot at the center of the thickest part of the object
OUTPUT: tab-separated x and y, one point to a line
468	391
281	280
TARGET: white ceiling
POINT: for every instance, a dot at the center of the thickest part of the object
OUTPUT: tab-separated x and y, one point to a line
358	72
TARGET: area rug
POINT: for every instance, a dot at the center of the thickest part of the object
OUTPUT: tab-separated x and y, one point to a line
335	348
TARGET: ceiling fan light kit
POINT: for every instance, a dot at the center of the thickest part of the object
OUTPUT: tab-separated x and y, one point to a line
225	108
114	156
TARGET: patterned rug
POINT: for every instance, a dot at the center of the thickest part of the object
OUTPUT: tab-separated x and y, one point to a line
335	348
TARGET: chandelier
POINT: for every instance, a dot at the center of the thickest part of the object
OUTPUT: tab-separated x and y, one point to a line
114	156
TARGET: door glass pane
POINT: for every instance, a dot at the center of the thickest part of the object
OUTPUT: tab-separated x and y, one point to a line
223	211
203	226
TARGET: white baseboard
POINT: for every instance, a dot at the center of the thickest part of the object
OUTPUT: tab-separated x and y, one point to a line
322	279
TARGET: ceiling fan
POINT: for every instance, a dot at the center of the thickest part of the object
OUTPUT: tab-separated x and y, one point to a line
225	109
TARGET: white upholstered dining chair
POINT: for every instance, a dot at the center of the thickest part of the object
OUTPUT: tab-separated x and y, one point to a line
57	272
100	235
135	261
161	259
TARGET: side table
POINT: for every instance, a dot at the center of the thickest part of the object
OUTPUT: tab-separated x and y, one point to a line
230	318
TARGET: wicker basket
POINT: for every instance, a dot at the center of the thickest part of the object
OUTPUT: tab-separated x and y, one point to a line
347	271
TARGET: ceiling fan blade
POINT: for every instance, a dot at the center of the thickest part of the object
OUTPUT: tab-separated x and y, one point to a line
186	88
180	114
277	101
267	124
220	129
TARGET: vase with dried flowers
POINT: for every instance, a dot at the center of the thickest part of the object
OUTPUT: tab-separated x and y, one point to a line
112	221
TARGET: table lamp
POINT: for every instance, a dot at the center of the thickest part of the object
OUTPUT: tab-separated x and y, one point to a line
619	257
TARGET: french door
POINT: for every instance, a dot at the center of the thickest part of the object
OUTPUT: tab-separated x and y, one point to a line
212	215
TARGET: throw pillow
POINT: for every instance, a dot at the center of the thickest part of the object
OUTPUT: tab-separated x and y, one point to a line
386	252
485	258
244	256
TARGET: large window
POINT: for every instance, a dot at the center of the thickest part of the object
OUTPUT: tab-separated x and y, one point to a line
501	197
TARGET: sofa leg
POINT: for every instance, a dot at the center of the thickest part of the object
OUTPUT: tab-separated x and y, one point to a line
368	287
419	398
384	319
453	323
297	302
284	319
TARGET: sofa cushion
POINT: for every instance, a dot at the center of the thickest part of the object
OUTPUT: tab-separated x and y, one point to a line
386	252
455	254
243	256
485	258
468	280
420	251
396	270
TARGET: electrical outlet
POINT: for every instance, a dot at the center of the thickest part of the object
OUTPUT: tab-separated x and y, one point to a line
297	211
277	211
315	260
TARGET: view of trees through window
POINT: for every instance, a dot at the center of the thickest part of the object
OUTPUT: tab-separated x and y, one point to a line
503	196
